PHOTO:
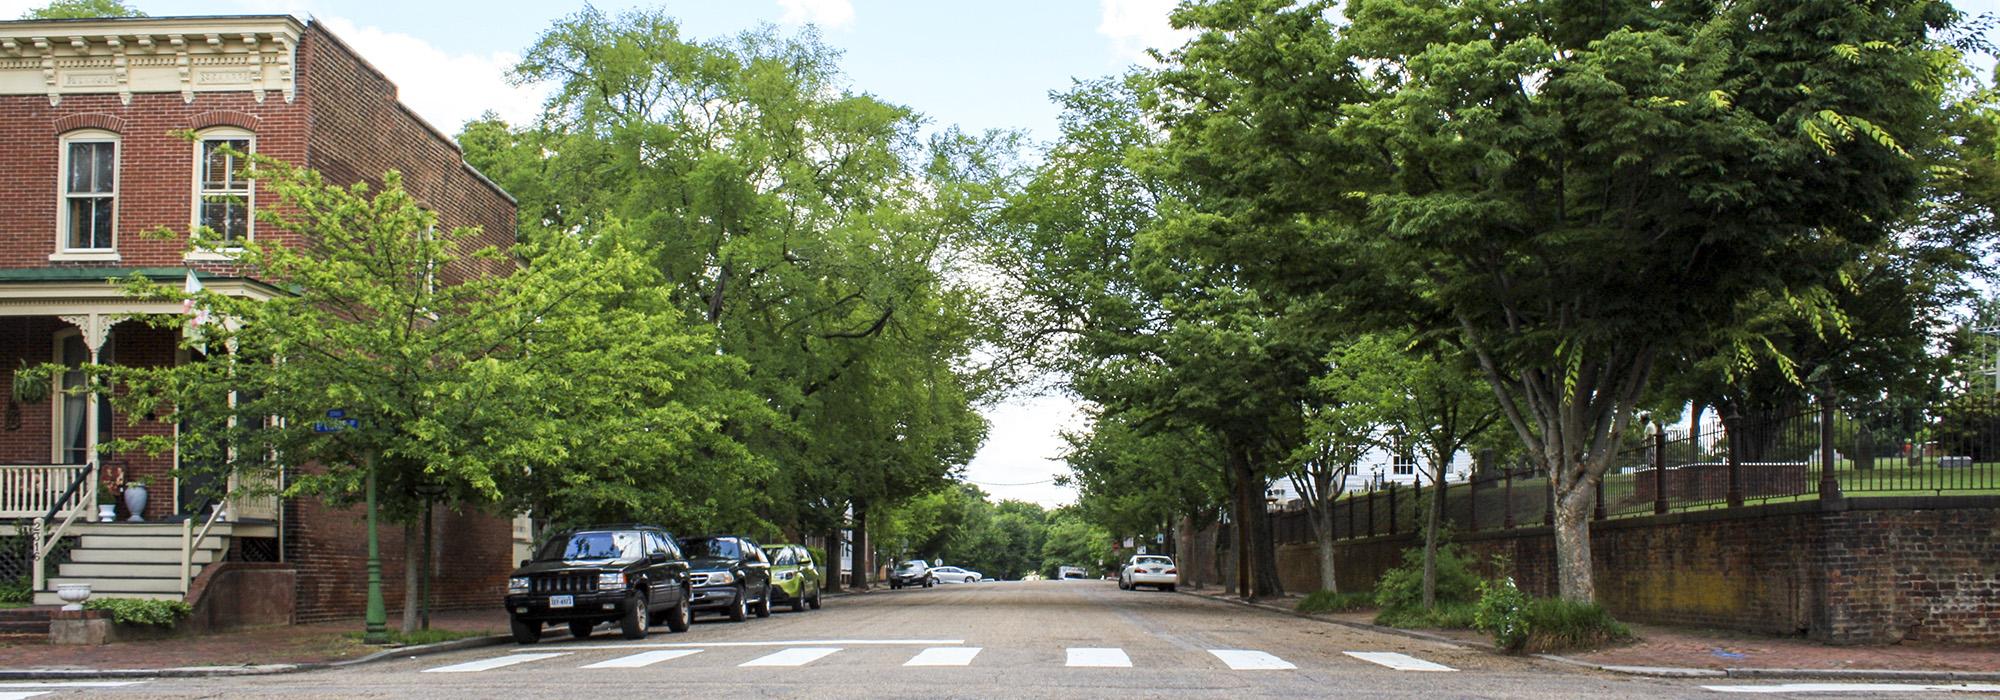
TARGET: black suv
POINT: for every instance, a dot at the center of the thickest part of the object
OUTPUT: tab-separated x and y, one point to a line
729	574
627	573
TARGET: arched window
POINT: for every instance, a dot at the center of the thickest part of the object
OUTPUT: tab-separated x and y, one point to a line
87	216
223	198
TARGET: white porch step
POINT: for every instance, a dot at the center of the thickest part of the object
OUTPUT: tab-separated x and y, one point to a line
140	556
172	542
172	571
102	586
49	598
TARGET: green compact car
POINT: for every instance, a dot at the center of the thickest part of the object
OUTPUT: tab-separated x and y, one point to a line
795	577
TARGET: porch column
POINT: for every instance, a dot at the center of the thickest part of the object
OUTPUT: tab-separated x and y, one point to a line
96	329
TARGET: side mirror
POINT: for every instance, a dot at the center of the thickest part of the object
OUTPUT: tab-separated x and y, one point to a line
657	557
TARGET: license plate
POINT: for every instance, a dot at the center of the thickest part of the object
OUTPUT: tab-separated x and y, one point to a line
562	601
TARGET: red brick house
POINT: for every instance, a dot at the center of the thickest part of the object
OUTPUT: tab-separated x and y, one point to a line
91	156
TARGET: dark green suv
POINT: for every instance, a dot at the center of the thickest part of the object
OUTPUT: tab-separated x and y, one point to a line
731	575
632	574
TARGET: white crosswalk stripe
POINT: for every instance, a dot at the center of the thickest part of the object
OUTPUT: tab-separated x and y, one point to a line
20	695
1247	660
496	662
1098	657
22	690
797	656
944	656
1400	662
1856	688
644	659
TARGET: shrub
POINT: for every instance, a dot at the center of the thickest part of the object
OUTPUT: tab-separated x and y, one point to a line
137	611
17	591
1329	601
1400	592
1499	613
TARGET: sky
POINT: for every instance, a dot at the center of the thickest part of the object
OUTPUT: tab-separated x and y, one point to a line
976	65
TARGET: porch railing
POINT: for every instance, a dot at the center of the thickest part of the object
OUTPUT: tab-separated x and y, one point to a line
80	490
30	490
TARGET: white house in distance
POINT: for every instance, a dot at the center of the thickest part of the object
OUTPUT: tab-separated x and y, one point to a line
1379	468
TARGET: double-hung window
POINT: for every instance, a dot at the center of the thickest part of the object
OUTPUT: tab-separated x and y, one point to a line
222	195
89	212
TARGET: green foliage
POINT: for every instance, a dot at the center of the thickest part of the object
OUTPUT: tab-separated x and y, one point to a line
138	611
82	9
429	636
1969	425
1073	541
1499	613
1553	624
1329	601
20	590
1453	615
1401	590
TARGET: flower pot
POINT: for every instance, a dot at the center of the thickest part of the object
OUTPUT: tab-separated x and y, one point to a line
107	512
135	501
73	594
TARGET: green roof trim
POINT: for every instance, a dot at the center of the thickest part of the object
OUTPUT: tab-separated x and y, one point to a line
99	274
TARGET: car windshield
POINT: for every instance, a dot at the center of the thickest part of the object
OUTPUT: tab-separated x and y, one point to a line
914	565
592	546
1155	560
718	547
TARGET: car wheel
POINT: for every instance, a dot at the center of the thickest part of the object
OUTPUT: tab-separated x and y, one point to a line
764	603
930	582
971	579
799	603
683	614
1122	585
894	584
637	618
580	629
741	610
1170	588
525	632
815	600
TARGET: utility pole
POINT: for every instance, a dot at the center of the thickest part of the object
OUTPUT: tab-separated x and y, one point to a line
376	626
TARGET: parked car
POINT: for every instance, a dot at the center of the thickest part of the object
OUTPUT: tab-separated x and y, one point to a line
953	574
915	572
795	577
1153	570
633	574
1071	573
729	574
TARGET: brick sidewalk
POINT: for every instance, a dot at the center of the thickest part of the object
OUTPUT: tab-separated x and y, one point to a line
313	643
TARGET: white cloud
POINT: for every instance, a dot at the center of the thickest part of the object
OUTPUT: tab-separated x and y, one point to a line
1022	454
828	14
1136	25
446	89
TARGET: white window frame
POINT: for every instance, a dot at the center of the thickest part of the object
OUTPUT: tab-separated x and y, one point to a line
63	251
198	192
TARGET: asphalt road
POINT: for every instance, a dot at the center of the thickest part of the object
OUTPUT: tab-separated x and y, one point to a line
991	640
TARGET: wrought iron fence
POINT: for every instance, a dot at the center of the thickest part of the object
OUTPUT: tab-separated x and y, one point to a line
1711	462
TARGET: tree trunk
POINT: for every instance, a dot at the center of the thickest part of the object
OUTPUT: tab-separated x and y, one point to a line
832	562
1574	503
1322	520
412	566
1265	547
861	545
1433	516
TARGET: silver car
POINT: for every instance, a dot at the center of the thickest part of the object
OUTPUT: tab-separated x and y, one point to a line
953	574
1153	570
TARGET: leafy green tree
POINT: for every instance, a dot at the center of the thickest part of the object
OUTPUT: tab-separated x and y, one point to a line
82	9
1073	541
1578	192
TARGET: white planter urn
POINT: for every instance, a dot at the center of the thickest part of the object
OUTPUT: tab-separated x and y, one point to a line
107	512
73	595
135	501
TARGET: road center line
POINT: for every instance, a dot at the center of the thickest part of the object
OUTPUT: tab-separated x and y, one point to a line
1855	688
1247	660
792	643
495	662
1093	657
644	658
791	657
944	656
1400	662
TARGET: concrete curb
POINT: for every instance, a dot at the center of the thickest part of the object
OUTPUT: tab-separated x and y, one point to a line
32	674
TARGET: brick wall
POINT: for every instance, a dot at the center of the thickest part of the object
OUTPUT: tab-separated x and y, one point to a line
1879	571
472	555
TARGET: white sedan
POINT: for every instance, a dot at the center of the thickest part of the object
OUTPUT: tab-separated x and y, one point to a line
953	574
1149	570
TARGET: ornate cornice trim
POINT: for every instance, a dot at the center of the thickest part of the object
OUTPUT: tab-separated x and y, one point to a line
141	55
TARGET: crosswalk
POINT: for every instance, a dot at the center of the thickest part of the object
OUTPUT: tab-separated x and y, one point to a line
22	690
926	654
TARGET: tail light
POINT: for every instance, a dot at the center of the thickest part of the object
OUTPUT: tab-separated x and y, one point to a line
1171	571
